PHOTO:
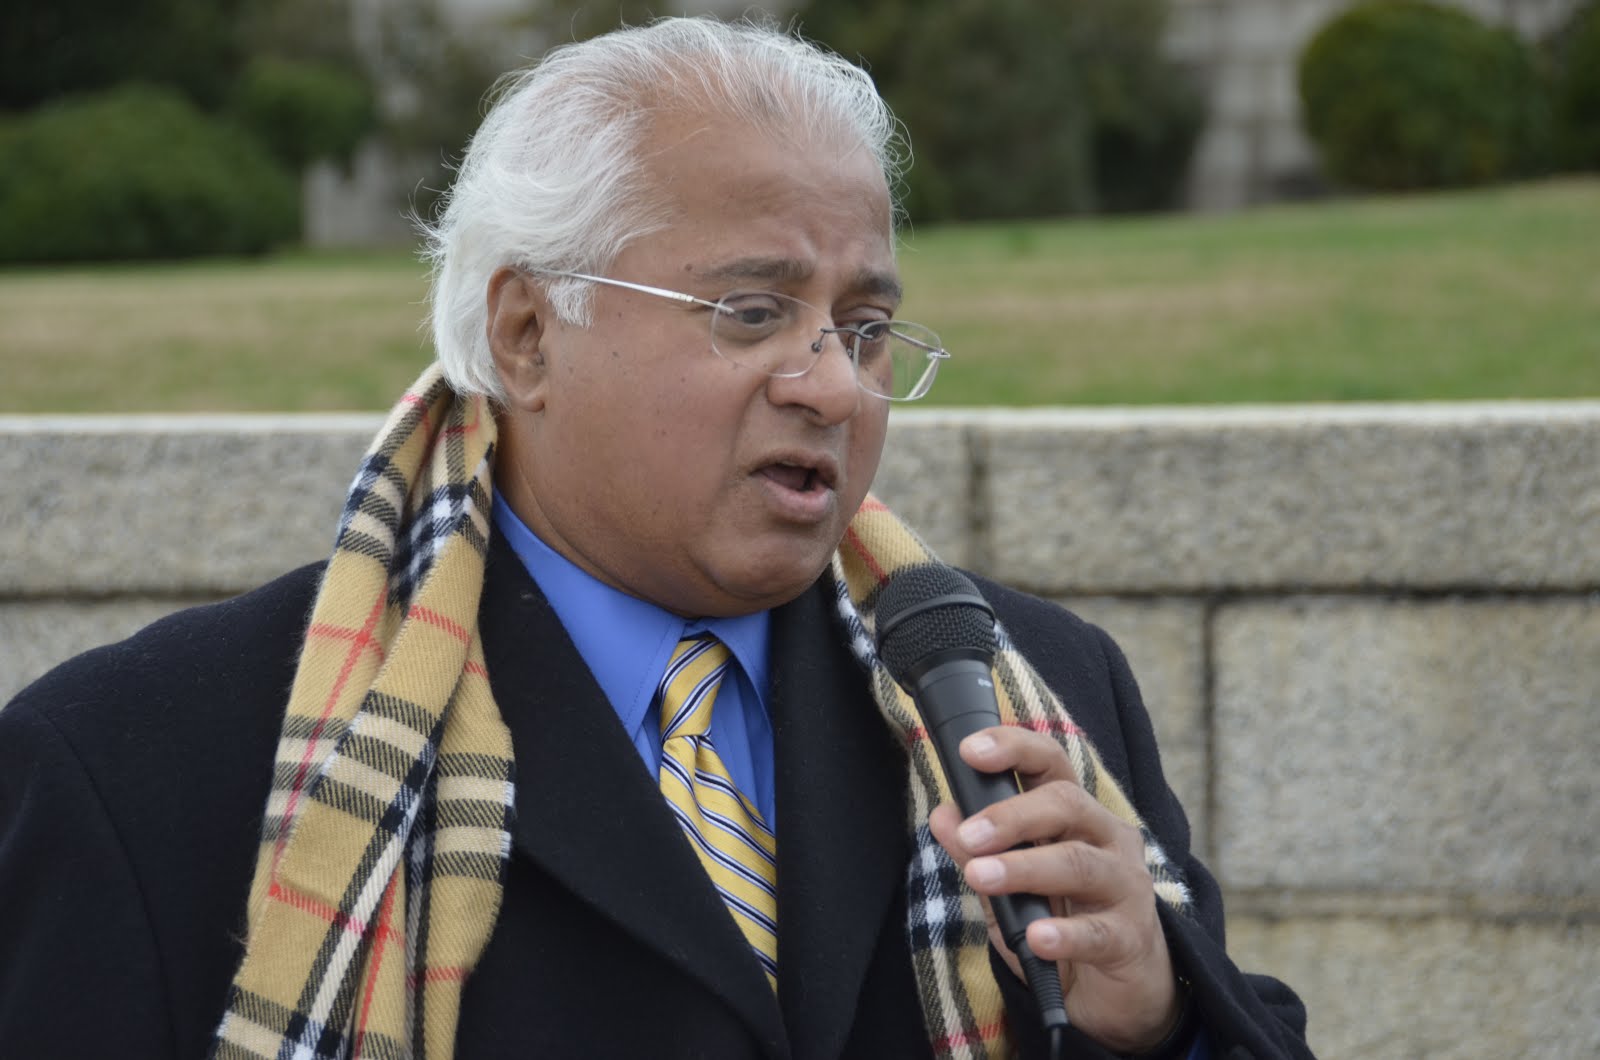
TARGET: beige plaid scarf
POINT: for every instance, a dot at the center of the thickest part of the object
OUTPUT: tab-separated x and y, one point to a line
388	823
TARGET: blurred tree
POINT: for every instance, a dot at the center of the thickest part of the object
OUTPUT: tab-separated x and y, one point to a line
316	31
51	48
303	111
1145	113
306	91
872	34
438	72
1021	108
1575	53
997	120
433	76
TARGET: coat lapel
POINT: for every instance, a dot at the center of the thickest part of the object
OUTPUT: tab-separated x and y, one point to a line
841	806
590	814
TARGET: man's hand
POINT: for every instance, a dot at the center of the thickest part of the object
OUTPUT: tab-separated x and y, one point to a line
1115	969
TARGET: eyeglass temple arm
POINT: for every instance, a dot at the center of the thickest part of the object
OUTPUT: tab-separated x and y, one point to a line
936	353
642	288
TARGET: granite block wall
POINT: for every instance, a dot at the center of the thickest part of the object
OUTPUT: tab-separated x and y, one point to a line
1369	637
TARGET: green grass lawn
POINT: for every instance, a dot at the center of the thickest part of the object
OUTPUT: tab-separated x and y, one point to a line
1489	294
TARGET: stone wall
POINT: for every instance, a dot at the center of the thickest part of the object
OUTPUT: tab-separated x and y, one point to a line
1369	637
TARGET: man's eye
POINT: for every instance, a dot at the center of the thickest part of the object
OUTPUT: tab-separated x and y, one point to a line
755	316
871	335
753	310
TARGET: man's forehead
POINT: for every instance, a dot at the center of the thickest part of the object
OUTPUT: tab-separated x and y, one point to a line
778	271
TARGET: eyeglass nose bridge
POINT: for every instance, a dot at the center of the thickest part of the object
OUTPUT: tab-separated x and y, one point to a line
849	337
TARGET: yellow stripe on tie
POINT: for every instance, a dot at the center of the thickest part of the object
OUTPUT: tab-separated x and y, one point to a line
735	846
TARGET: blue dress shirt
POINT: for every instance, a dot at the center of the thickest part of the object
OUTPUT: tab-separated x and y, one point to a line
626	643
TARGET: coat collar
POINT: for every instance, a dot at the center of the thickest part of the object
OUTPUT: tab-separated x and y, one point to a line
590	814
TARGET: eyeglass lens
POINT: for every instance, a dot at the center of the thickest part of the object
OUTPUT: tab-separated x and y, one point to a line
784	336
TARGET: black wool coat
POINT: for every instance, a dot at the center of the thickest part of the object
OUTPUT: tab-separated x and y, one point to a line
133	781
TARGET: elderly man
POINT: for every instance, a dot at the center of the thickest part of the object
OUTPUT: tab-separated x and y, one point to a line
587	749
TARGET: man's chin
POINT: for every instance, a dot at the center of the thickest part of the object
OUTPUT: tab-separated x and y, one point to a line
766	585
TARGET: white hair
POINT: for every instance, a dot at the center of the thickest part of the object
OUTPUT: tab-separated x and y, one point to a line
554	178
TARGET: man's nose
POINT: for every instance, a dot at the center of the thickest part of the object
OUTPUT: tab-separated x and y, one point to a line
830	387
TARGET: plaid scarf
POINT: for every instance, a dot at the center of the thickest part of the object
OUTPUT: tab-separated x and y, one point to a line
948	931
389	821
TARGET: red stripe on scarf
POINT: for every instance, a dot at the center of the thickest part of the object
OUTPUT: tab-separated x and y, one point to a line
477	670
358	636
471	425
427	416
377	962
318	908
434	618
437	975
866	557
986	1033
358	644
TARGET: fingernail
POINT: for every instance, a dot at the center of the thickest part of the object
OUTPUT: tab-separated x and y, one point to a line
979	744
1045	934
988	871
976	832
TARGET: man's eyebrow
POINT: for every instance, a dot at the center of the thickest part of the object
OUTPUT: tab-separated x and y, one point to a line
778	271
767	270
881	284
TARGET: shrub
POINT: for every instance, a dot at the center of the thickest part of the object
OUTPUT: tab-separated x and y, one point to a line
1576	90
1405	94
303	111
137	173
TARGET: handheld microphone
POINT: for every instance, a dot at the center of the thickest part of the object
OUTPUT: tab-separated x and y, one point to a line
936	637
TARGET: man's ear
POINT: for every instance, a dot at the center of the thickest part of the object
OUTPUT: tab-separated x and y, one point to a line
517	315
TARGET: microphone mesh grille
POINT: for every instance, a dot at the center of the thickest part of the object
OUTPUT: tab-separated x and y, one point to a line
955	623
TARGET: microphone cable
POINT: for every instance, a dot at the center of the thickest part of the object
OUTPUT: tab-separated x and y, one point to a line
1044	980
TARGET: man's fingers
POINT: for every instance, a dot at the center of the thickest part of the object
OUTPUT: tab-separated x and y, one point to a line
1086	874
943	822
1058	810
1086	938
1035	757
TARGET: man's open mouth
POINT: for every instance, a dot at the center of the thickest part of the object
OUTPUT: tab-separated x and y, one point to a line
797	477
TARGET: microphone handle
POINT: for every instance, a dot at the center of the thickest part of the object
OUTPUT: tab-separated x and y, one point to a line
956	699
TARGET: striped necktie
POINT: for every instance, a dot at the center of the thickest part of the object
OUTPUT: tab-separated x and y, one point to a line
735	845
